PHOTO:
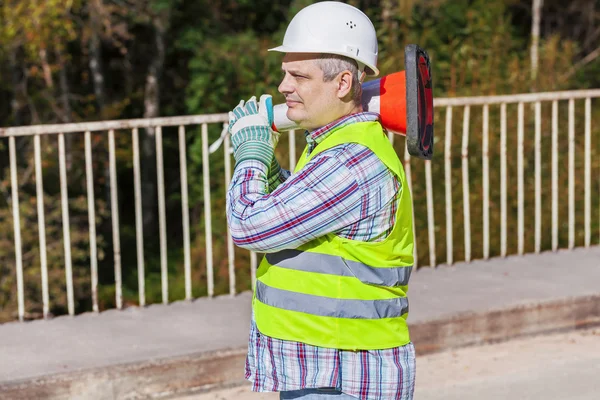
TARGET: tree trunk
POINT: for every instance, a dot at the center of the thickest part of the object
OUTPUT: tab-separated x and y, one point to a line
152	110
152	92
65	92
46	68
95	63
96	54
17	85
66	106
536	12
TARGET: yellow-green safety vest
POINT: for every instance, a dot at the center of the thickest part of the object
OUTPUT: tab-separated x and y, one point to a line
340	293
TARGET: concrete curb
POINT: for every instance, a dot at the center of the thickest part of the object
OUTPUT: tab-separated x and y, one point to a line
168	377
142	380
469	329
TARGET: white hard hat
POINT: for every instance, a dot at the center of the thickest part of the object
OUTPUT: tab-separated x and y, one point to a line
334	28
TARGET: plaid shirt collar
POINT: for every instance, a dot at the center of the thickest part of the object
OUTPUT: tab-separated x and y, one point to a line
313	138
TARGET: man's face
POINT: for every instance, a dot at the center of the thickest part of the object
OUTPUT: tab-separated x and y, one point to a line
311	102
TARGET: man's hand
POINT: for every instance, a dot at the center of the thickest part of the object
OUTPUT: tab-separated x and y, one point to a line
250	127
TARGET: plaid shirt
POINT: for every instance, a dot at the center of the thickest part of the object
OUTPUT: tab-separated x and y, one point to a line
346	190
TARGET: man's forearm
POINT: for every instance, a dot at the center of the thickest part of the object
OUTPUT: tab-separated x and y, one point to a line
323	199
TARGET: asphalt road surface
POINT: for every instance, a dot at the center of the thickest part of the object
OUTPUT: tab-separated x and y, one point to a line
558	366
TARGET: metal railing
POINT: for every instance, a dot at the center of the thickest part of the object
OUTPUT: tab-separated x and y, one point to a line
186	122
520	100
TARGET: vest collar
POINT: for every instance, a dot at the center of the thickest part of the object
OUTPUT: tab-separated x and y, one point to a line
316	136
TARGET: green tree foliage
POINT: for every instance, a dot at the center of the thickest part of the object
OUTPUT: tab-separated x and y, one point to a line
83	60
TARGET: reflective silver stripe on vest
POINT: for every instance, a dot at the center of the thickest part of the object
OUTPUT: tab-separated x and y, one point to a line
328	307
334	265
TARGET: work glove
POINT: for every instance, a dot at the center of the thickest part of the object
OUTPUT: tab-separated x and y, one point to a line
250	128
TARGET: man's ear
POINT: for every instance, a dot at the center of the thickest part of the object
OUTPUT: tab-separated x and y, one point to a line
345	82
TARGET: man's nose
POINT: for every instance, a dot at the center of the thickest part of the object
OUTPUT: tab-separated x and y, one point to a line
285	87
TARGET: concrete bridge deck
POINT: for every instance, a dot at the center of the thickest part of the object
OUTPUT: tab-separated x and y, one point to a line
160	351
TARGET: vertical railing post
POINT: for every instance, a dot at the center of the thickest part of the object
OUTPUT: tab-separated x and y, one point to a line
185	213
65	222
253	267
16	227
139	225
486	183
571	174
114	211
588	172
89	177
230	248
430	216
503	182
162	220
538	177
39	184
521	179
554	175
465	182
448	186
207	212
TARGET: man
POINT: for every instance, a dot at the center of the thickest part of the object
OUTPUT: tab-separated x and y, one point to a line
329	305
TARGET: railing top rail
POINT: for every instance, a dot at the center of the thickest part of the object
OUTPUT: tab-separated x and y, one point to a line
516	98
214	118
114	124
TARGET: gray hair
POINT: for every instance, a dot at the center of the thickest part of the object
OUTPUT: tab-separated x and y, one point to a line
333	64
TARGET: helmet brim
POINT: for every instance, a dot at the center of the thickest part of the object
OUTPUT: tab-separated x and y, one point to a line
371	70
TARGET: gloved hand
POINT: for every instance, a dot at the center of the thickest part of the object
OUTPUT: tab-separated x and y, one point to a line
250	128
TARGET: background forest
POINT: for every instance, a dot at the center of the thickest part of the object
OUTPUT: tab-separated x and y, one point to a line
86	60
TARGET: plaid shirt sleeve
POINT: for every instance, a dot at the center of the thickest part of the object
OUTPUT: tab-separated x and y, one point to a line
322	198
